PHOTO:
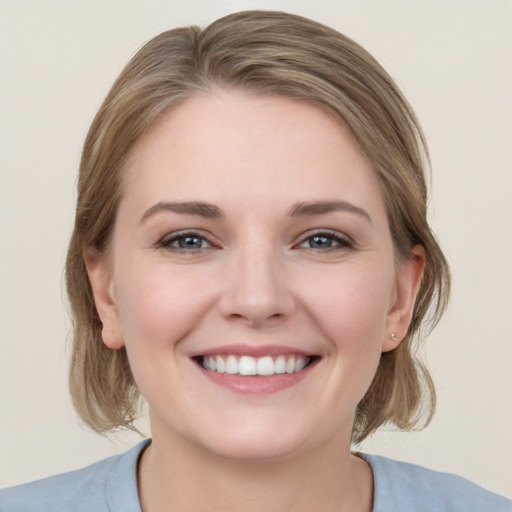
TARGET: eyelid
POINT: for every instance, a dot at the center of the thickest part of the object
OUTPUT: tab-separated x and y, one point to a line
343	240
168	239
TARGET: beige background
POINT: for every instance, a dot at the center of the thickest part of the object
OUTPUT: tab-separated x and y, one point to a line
453	61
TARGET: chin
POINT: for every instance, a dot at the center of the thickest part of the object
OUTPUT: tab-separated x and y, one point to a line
255	448
261	438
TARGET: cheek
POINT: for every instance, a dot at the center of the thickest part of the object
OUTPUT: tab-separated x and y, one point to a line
158	305
351	304
159	308
351	308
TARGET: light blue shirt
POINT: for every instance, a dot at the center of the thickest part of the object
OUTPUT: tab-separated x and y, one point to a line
111	486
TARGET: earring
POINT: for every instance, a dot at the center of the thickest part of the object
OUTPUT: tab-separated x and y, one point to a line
393	336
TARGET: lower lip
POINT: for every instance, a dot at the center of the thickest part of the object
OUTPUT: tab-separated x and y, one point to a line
257	384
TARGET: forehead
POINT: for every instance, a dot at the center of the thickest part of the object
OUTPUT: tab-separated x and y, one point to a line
227	145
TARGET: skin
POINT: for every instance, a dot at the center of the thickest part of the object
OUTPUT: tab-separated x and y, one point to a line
254	277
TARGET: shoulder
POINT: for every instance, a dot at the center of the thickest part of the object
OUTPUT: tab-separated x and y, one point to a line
400	486
110	484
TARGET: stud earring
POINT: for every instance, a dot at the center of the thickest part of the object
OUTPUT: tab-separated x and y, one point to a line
393	336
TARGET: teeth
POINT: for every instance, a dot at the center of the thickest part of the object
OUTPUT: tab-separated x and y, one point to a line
265	366
231	365
290	365
221	365
300	364
246	365
280	364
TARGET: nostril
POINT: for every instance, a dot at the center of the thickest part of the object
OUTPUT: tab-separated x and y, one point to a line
256	294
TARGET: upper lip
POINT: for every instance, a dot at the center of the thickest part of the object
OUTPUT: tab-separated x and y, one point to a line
252	351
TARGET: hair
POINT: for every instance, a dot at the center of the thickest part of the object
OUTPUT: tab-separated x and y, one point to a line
268	53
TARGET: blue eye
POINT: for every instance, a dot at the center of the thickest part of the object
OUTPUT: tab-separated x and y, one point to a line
320	242
185	242
190	242
326	241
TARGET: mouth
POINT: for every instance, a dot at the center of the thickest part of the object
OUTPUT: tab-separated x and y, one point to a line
265	366
255	370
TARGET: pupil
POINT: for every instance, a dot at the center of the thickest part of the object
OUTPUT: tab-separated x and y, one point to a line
321	242
190	242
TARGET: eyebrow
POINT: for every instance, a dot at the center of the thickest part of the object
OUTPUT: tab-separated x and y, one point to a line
322	207
211	211
206	210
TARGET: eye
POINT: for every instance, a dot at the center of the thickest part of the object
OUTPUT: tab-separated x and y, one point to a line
326	241
187	242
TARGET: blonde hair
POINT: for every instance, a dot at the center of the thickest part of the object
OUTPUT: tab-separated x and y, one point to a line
267	53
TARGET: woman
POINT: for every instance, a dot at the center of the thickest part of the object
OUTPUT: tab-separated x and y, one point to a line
251	255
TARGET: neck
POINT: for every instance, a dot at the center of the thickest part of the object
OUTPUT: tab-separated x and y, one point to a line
175	475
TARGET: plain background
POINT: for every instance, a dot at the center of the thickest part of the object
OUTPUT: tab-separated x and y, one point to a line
452	59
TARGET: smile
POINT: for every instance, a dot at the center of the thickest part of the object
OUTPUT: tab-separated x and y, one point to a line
262	366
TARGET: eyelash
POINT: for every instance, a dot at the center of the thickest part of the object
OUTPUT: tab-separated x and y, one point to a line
167	241
339	241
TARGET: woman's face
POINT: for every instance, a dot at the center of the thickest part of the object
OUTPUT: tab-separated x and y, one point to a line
251	276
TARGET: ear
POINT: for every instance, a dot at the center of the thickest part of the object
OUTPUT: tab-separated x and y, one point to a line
408	282
102	288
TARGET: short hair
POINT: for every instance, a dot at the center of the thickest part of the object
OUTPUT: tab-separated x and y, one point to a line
266	53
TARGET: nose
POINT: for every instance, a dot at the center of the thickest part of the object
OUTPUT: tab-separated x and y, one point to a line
258	290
